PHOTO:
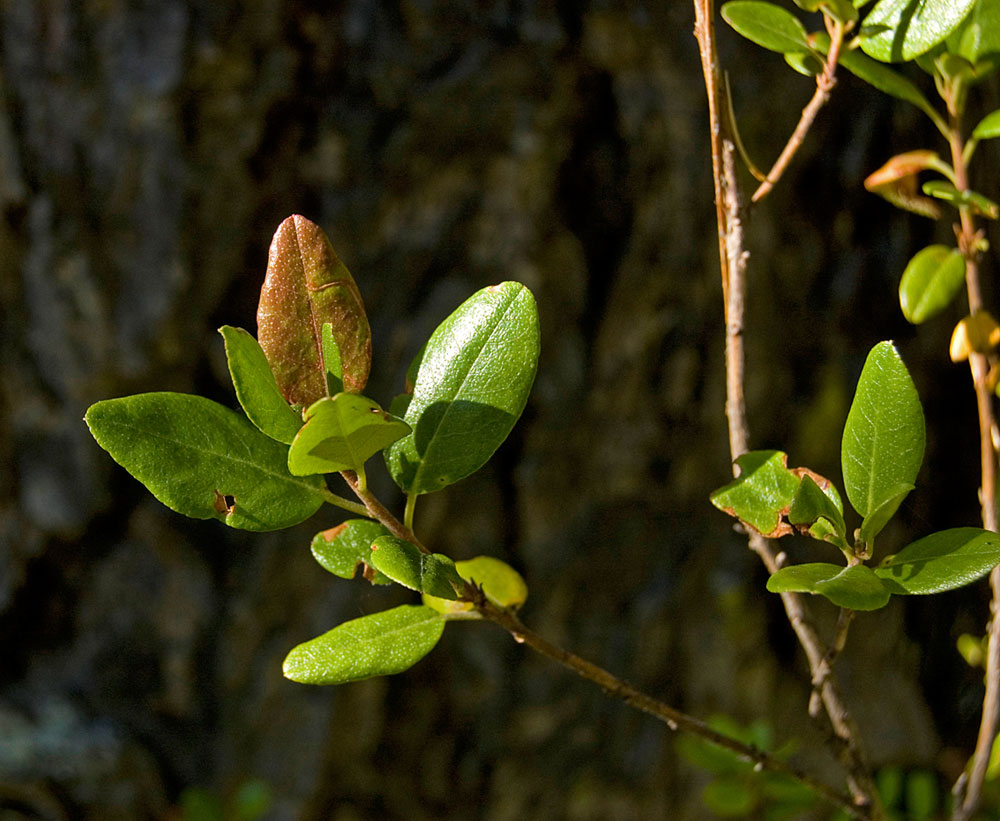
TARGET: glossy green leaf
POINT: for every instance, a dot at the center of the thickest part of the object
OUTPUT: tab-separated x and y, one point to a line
761	494
988	127
932	279
896	30
342	433
873	523
403	562
204	460
812	503
842	10
256	389
501	583
331	361
856	588
472	384
883	443
806	64
943	190
942	561
767	25
306	286
878	75
377	645
341	550
978	35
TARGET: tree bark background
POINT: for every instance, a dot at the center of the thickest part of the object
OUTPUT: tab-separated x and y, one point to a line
147	152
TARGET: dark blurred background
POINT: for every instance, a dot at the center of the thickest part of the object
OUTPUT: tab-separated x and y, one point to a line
148	150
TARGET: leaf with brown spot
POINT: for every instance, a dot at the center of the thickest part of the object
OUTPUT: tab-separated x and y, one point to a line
307	285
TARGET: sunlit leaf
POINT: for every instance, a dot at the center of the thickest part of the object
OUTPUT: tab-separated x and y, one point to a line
857	588
377	645
896	30
942	561
767	25
931	280
988	127
979	204
501	583
426	573
343	549
761	494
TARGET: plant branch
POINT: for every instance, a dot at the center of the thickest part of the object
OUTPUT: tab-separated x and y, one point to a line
346	504
732	260
990	719
825	81
673	718
374	508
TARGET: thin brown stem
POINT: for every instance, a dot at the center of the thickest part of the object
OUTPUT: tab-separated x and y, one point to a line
965	805
673	718
380	512
825	81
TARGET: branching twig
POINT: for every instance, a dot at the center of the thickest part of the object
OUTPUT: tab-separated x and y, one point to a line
379	512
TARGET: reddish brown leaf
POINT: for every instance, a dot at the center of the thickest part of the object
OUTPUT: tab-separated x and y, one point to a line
307	285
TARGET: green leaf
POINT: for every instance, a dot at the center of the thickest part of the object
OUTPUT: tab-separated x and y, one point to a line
501	583
204	460
942	561
767	25
342	433
978	36
471	386
896	30
306	286
806	64
856	588
403	562
948	192
873	523
878	75
988	127
883	443
812	503
761	494
344	548
255	386
932	279
331	361
377	645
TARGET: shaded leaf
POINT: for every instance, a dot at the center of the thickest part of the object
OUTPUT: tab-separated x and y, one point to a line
873	523
342	433
767	25
883	443
812	503
761	494
344	548
472	384
896	30
306	286
204	460
856	588
930	282
978	35
501	583
897	181
377	645
806	64
256	389
404	563
942	561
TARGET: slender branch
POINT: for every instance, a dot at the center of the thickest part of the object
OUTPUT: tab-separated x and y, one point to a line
990	720
732	262
825	81
374	508
673	718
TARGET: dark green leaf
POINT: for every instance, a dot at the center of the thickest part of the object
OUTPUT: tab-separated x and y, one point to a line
767	25
949	193
377	645
204	460
883	444
873	523
342	433
812	503
856	588
930	282
255	387
501	583
306	286
988	127
896	30
942	561
472	384
344	548
404	563
331	361
761	494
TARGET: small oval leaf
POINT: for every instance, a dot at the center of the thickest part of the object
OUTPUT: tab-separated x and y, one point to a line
472	385
988	127
883	443
204	460
767	25
256	389
377	645
403	562
342	549
932	279
342	433
306	286
942	561
897	30
856	588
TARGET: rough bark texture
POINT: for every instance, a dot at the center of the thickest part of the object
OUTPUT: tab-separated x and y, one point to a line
149	149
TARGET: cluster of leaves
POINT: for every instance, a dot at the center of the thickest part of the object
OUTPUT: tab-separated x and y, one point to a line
299	384
881	453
